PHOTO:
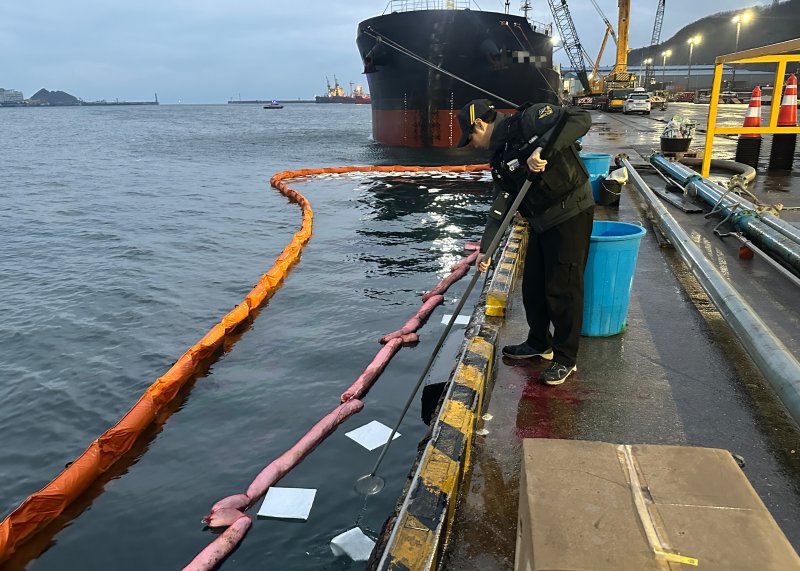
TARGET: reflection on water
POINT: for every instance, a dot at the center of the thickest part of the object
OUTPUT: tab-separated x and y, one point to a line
431	212
133	231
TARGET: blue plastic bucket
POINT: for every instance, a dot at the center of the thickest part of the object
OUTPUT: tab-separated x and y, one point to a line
613	249
596	180
596	163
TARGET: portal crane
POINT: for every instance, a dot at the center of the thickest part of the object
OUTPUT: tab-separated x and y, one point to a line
619	78
654	41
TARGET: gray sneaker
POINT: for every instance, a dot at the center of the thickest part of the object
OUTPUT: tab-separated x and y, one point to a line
525	351
556	373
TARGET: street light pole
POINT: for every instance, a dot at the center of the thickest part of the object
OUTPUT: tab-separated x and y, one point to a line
739	19
692	42
664	56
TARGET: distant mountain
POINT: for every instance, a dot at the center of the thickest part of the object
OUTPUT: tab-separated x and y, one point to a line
55	98
770	25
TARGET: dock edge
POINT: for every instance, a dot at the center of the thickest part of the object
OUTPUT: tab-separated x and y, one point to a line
420	528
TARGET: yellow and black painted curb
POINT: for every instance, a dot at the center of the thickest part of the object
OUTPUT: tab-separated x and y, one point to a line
415	538
498	297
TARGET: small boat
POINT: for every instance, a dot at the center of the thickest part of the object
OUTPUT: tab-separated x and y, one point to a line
273	105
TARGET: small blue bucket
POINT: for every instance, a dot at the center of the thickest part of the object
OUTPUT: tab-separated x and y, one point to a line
608	279
596	163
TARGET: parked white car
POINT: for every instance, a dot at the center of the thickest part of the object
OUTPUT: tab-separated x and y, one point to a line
637	102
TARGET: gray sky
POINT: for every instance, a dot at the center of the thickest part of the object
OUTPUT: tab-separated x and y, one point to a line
201	51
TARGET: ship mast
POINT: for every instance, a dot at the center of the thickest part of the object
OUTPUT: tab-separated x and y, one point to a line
526	7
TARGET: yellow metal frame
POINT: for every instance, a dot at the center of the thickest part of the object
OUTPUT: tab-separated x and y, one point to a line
766	54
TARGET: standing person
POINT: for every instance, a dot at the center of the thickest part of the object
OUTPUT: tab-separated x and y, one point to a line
559	208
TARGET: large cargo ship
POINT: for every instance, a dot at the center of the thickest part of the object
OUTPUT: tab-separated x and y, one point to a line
426	59
336	94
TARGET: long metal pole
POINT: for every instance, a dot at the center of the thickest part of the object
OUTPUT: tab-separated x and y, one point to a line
689	76
489	251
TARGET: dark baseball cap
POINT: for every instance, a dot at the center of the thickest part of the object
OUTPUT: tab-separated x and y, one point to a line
475	109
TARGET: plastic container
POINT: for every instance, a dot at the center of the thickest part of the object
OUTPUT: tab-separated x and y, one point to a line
671	145
610	192
596	163
596	180
608	279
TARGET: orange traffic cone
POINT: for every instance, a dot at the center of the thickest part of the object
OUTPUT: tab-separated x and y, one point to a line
753	117
781	155
748	147
787	116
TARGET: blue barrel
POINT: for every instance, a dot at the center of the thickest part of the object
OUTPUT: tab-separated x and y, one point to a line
608	279
596	163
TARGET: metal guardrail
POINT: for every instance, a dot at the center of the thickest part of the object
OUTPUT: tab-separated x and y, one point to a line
416	5
411	5
766	54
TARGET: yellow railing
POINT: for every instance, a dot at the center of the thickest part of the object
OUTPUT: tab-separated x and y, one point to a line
766	54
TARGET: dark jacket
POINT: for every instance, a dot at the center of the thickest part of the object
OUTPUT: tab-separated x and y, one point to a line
562	190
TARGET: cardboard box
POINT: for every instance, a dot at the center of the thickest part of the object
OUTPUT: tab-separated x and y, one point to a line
594	506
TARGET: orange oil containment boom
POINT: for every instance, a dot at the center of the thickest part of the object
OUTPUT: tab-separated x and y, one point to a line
44	506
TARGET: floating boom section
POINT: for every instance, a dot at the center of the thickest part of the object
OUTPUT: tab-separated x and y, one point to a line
569	36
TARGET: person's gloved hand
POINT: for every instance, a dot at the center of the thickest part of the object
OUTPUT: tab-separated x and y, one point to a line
535	162
482	262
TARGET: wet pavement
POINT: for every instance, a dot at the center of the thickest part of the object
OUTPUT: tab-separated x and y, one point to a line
677	375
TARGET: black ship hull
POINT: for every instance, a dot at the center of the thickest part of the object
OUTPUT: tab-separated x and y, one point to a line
414	105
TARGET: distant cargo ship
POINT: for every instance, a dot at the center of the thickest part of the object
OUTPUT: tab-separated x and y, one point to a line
336	94
414	104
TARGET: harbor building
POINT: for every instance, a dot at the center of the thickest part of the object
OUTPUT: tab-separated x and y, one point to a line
675	78
10	96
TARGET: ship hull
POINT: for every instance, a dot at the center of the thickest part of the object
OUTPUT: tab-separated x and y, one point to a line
414	105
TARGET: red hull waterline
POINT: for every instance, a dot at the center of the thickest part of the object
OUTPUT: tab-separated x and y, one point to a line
403	127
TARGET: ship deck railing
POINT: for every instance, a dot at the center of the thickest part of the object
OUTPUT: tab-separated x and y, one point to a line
417	5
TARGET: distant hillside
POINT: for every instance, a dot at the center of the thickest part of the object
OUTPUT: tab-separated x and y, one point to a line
769	26
55	97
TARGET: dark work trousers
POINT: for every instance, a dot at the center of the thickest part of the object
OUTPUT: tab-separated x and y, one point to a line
552	286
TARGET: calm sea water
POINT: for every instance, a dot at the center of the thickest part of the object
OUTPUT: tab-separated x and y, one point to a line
127	233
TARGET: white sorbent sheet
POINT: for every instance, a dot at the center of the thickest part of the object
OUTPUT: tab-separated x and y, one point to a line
372	435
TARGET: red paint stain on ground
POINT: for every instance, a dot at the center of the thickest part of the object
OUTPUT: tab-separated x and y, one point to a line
548	411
